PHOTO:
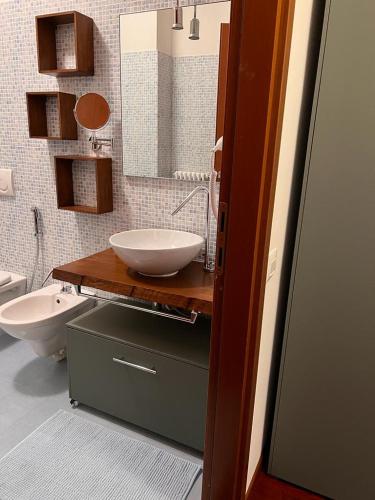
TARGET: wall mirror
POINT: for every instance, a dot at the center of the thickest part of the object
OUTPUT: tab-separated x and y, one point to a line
173	80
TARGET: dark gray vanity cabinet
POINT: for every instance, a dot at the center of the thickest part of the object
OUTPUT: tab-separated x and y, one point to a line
145	369
324	425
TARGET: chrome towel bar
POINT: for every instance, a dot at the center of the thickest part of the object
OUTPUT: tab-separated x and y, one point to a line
186	319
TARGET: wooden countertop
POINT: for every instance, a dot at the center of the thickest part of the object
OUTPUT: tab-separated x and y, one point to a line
191	288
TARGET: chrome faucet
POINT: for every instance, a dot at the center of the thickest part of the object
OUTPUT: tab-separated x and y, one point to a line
208	266
66	289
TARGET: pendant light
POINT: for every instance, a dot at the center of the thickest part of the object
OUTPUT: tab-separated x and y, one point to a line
194	26
178	23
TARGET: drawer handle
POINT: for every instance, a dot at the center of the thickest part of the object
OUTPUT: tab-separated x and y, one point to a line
136	367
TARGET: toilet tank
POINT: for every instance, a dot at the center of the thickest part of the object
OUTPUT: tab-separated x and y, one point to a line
15	288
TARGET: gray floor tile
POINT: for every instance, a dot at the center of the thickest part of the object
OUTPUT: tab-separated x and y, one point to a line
33	389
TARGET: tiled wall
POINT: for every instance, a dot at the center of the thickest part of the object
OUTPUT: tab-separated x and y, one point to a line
169	112
140	126
146	90
65	46
139	203
84	183
53	126
195	81
165	117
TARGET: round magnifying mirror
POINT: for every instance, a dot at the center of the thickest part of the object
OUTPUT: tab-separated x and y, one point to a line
92	111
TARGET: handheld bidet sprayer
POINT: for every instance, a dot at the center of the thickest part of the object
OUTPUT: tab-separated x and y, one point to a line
37	218
37	221
213	178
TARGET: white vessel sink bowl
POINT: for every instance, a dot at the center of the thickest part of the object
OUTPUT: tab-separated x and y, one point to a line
156	252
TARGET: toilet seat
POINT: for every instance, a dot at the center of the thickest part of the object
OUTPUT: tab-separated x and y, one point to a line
5	278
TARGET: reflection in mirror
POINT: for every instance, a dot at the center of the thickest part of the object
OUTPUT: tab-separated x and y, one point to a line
173	90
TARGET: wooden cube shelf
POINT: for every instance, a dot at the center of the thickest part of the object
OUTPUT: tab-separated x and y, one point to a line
65	186
37	115
83	43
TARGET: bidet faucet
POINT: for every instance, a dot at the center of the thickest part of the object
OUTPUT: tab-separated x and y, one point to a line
208	266
37	221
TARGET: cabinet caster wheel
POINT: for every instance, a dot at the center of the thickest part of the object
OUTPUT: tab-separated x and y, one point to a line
73	403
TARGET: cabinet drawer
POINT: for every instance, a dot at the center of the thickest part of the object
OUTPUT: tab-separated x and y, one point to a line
161	394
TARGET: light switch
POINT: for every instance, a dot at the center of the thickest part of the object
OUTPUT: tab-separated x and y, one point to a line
6	182
272	263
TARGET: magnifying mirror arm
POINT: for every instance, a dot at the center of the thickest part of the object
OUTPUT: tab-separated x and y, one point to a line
98	142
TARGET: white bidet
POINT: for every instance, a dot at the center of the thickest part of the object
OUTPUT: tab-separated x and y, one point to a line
40	317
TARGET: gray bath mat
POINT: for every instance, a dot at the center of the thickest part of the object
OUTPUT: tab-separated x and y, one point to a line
70	458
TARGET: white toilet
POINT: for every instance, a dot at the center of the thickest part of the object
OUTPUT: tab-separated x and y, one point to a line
11	286
39	318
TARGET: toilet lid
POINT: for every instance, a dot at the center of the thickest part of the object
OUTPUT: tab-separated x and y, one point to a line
5	278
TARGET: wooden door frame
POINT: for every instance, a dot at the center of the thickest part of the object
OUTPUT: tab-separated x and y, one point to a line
259	50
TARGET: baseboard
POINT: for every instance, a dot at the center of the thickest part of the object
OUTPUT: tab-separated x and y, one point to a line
255	475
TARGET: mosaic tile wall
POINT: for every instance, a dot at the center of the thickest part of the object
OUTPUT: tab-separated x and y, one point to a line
140	126
138	203
169	112
165	118
65	46
195	83
146	89
84	182
53	126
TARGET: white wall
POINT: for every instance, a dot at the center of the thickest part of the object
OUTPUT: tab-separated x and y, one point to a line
210	17
152	30
139	32
293	107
